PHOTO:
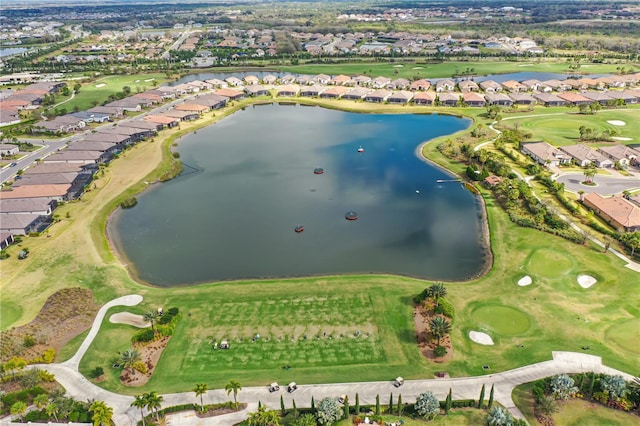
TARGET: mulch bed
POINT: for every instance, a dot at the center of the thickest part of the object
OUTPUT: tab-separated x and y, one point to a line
150	355
426	343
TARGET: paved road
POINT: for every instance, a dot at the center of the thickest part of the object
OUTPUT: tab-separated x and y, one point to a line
50	146
605	185
79	387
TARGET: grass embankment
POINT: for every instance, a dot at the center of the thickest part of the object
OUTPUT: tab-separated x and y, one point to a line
377	305
574	412
412	70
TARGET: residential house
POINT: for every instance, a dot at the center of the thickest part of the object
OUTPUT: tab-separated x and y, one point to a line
251	80
362	80
112	111
61	124
287	79
584	155
312	91
355	94
195	107
399	84
534	85
424	98
400	97
334	92
257	90
49	192
269	79
522	99
91	117
216	83
339	80
627	96
549	99
127	104
498	99
420	85
6	239
574	98
181	115
445	85
380	82
449	99
139	129
513	86
621	154
233	81
23	224
379	96
45	168
603	98
320	79
290	90
490	86
78	157
164	121
473	99
468	86
8	115
7	149
28	206
233	95
108	134
211	100
620	213
545	154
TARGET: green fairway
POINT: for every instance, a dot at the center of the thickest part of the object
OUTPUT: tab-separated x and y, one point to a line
9	313
504	320
561	129
626	334
98	90
417	69
549	263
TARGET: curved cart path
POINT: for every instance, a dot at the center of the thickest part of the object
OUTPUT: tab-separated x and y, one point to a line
80	388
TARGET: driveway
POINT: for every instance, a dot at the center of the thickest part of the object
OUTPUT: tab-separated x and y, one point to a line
605	185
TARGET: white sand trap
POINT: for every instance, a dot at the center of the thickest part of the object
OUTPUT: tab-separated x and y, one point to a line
525	65
100	85
129	319
620	138
526	280
150	79
398	66
586	281
481	338
616	122
417	68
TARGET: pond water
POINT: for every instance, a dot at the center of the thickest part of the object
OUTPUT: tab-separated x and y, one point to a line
249	181
8	51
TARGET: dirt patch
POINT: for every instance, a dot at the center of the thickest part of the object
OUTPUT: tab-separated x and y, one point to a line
426	344
65	314
150	355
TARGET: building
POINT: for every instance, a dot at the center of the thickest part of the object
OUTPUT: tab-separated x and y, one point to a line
7	149
584	155
545	154
617	211
621	154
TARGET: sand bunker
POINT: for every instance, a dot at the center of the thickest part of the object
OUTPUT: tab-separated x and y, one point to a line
150	79
616	122
101	85
526	280
586	281
620	138
398	66
129	319
417	68
481	338
526	65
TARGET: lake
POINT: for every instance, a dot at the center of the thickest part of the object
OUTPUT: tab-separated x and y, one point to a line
249	181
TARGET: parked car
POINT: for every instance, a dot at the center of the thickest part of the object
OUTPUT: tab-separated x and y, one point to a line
398	382
273	387
292	387
13	164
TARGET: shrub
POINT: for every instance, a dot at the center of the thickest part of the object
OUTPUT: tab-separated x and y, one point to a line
28	341
165	319
129	203
440	351
173	311
445	308
463	403
96	372
49	355
45	376
145	335
176	154
140	366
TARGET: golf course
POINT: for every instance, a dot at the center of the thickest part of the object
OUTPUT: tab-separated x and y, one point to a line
336	328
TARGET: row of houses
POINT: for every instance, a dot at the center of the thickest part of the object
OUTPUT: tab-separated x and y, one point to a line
582	155
32	96
619	212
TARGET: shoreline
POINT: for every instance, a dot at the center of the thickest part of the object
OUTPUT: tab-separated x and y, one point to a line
173	139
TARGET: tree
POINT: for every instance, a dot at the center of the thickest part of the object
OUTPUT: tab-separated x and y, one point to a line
140	402
356	409
295	409
283	410
234	387
448	402
313	405
437	291
377	405
481	399
18	409
427	405
154	402
102	413
589	172
200	389
615	386
150	317
345	408
562	386
328	411
632	241
490	403
391	403
439	327
129	358
400	406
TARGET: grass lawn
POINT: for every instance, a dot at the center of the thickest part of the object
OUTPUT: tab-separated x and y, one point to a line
563	129
98	90
459	417
412	70
286	310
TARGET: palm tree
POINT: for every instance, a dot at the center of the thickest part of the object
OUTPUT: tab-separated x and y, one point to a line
234	387
129	358
439	327
154	402
150	316
140	402
102	413
201	389
590	172
437	291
